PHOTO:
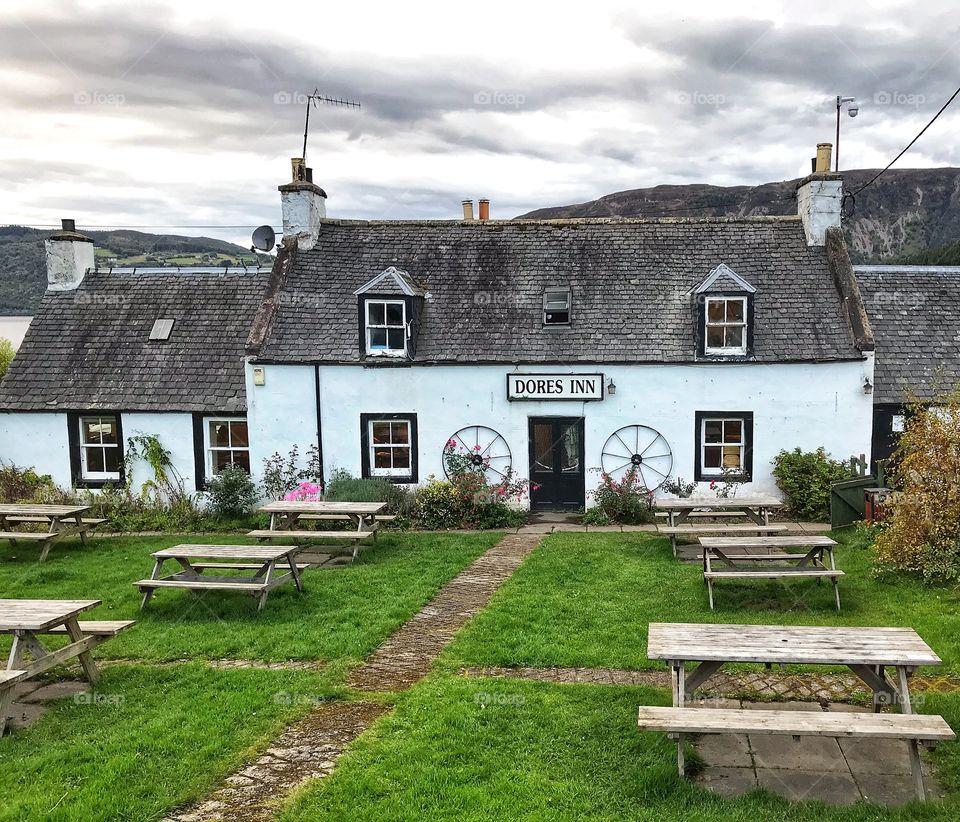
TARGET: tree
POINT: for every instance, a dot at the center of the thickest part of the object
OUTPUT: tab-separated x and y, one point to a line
7	353
922	533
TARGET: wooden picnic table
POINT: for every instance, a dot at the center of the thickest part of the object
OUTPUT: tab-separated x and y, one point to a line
768	558
865	651
756	508
266	561
287	520
61	521
28	619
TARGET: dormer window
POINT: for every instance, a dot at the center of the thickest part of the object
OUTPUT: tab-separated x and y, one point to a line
723	312
556	306
386	327
725	320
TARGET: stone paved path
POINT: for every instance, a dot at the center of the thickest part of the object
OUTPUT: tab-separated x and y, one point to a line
407	656
310	748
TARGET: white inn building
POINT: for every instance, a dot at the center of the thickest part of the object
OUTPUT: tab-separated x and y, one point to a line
686	347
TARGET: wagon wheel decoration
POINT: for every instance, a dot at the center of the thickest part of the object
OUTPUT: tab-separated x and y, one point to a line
484	448
641	447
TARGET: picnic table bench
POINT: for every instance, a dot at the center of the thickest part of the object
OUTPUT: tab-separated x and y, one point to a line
267	562
286	516
866	651
29	619
756	508
62	521
767	558
694	529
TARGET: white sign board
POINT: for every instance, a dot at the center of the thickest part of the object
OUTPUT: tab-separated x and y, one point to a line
571	387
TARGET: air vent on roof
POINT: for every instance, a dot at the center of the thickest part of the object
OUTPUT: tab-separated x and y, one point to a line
161	330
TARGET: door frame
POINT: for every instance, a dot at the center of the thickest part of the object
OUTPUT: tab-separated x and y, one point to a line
580	421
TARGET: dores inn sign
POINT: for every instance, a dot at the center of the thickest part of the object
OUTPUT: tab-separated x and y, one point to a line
575	387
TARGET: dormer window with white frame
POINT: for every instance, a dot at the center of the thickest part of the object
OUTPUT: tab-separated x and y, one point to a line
725	326
386	327
723	310
556	306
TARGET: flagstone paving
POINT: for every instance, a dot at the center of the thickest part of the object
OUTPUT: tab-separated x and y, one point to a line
837	772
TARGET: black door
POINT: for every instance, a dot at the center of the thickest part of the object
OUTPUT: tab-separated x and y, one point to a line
556	463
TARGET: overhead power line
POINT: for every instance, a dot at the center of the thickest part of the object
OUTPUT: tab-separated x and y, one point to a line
853	195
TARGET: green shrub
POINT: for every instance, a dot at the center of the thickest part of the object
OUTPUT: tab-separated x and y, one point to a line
24	484
628	501
281	475
805	478
596	516
232	492
7	353
438	506
343	487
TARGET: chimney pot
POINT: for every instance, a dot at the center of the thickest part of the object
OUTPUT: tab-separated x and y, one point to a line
68	225
468	209
824	156
484	209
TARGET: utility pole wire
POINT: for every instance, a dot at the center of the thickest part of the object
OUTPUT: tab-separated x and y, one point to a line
908	146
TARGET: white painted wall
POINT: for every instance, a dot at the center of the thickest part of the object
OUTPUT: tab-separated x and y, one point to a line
175	432
805	405
281	413
37	440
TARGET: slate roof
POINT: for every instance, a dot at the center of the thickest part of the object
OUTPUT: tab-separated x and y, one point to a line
88	349
915	315
631	282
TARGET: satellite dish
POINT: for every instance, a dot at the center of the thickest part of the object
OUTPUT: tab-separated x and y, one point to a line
264	238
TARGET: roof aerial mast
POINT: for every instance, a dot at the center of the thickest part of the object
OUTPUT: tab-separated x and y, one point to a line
316	99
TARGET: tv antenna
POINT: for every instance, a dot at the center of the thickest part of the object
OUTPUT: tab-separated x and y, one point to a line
315	100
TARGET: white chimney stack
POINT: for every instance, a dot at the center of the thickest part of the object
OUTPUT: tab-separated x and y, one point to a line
303	206
820	198
69	257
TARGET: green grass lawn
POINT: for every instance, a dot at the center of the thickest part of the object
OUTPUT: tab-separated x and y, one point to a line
155	737
587	599
478	750
345	613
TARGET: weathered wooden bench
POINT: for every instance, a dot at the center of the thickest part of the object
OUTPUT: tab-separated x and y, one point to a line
301	537
911	728
7	680
98	627
346	517
674	531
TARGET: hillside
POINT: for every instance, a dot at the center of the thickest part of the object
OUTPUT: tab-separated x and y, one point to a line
906	213
23	276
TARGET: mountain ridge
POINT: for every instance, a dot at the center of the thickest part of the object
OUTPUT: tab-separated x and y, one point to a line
905	213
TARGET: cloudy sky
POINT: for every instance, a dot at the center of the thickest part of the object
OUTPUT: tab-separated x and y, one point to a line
170	113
